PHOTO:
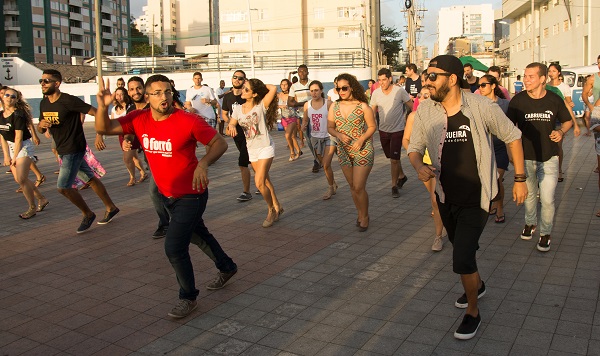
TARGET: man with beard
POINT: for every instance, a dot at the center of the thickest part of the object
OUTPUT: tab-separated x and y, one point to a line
60	112
230	100
169	137
472	80
456	128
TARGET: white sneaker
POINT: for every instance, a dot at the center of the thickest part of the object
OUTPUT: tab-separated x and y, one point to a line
438	243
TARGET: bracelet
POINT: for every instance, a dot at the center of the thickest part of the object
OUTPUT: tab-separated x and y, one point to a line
520	180
520	176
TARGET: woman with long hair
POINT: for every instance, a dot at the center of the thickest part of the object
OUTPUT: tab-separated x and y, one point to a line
489	87
19	149
315	115
289	120
257	116
352	122
121	102
438	240
554	72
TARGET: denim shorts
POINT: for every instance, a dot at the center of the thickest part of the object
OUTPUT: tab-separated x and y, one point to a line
71	165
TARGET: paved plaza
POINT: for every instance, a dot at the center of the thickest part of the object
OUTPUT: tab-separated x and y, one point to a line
309	285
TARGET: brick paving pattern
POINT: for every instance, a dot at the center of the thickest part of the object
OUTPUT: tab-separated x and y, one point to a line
309	285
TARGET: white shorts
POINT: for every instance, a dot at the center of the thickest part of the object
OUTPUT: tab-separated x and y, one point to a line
261	153
27	149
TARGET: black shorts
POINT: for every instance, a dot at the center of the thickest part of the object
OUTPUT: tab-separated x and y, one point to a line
240	143
464	226
391	142
501	154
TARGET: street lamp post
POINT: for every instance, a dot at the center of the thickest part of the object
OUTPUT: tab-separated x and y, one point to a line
251	40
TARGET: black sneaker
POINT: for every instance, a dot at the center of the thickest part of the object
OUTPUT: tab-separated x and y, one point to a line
245	197
86	223
400	182
544	243
160	232
462	302
108	216
222	278
316	167
468	328
184	308
528	231
395	192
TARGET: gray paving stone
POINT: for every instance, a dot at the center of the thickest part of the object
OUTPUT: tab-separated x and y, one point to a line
492	347
306	346
160	346
259	350
251	333
337	350
575	329
422	335
520	350
571	344
277	339
323	332
414	348
382	345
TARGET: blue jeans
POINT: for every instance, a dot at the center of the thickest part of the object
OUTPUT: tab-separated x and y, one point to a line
157	201
71	165
545	176
188	227
309	143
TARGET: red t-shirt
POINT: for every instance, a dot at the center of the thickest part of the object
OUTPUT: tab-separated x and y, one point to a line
170	146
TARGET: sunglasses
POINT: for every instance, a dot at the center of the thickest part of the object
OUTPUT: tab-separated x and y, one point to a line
432	77
237	77
47	81
246	90
341	89
12	96
482	85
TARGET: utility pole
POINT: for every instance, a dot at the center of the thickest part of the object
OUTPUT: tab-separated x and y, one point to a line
375	36
532	31
413	20
152	44
98	40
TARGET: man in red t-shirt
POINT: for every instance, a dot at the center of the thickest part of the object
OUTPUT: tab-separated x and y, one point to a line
169	138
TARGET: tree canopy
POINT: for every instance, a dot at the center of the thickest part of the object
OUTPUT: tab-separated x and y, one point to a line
391	44
140	44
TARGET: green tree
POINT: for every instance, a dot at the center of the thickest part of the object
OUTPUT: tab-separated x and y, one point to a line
391	44
140	44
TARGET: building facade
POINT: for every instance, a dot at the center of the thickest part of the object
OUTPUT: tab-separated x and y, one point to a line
556	31
475	22
59	31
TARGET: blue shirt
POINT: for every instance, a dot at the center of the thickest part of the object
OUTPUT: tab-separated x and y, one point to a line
518	86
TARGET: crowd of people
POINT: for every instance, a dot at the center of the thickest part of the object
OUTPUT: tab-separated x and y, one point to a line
460	133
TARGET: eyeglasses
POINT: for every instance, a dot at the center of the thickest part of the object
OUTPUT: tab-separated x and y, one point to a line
432	77
238	77
482	85
12	96
341	89
160	94
47	81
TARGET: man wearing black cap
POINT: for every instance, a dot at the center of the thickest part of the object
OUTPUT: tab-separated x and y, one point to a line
456	128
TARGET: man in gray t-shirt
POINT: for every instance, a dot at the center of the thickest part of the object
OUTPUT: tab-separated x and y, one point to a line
392	102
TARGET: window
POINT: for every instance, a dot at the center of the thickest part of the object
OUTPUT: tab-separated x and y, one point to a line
36	3
231	16
319	13
577	20
234	37
555	29
319	56
566	25
348	32
263	36
349	56
348	12
318	33
546	32
263	14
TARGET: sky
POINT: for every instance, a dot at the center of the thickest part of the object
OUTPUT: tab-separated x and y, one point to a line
391	15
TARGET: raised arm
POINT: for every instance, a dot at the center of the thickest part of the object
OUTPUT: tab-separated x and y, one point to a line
270	95
104	125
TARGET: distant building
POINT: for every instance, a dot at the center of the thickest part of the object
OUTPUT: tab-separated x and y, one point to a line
62	31
465	21
558	31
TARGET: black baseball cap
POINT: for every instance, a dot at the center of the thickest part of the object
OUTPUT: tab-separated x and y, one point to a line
451	65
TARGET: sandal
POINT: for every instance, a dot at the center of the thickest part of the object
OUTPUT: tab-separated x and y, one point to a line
131	182
292	157
41	206
143	178
20	190
28	214
39	182
279	212
493	211
499	219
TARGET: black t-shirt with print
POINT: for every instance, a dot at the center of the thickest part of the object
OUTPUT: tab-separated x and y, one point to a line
413	87
229	100
64	115
473	87
459	176
536	118
16	121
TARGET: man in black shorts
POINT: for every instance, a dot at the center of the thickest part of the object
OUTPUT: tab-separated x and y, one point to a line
456	128
234	97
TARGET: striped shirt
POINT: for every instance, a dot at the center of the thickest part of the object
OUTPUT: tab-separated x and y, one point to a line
487	119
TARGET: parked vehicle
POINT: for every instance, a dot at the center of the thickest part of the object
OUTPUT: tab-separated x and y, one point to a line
575	78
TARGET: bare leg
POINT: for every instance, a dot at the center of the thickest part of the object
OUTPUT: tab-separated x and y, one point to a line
261	176
101	192
396	170
327	158
36	170
437	220
500	202
75	197
471	283
21	173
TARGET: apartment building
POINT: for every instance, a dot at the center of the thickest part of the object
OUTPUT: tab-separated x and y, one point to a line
58	31
556	31
475	22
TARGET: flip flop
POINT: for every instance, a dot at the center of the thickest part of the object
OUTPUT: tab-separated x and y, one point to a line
143	178
39	182
499	219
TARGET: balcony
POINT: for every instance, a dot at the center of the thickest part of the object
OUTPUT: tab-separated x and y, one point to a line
13	42
108	23
10	9
75	16
76	3
76	30
108	49
77	45
12	26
